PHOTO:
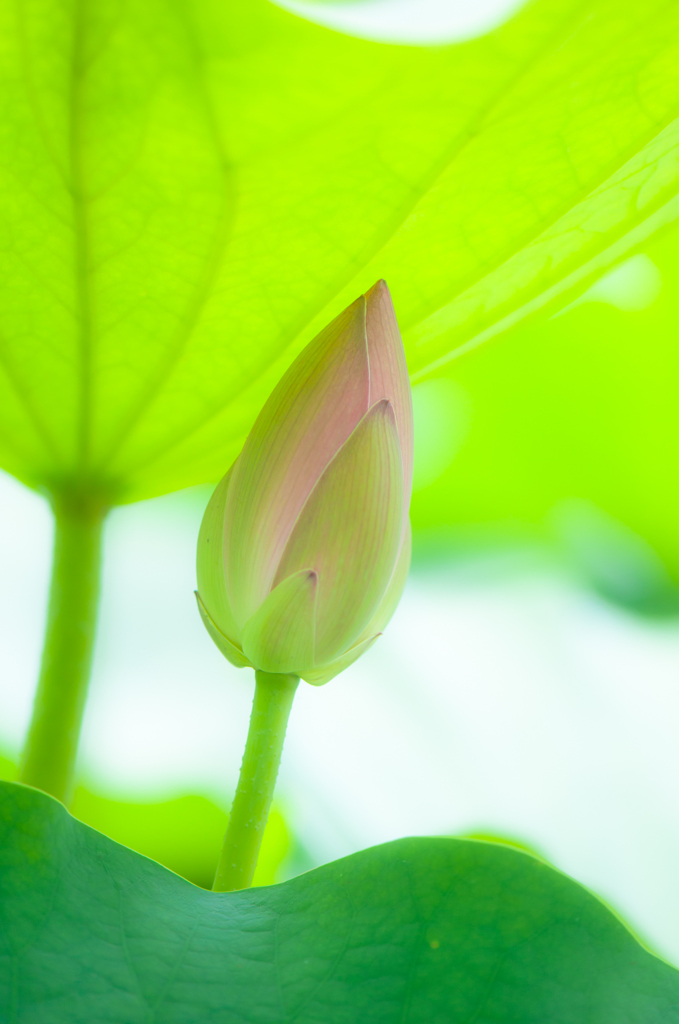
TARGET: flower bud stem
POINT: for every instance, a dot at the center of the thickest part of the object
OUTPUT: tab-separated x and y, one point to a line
48	759
274	695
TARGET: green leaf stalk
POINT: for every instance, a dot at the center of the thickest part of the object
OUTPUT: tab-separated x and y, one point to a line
48	759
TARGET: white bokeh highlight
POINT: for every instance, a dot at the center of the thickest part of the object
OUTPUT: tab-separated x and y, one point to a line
418	22
630	286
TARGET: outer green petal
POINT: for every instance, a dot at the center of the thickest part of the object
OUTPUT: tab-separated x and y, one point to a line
389	374
229	650
392	594
385	610
306	420
210	563
319	676
350	532
280	635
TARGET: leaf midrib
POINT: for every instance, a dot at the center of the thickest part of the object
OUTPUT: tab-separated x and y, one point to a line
213	261
81	242
19	386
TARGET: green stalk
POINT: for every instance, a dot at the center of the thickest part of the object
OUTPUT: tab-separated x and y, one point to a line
274	695
48	760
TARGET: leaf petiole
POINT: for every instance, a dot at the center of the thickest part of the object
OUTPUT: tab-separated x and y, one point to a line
271	706
48	759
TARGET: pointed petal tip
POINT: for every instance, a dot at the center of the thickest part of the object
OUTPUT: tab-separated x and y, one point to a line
378	289
384	407
379	298
356	311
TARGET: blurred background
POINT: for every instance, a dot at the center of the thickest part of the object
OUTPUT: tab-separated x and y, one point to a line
528	685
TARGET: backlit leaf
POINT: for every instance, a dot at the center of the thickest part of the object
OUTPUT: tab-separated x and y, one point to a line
190	190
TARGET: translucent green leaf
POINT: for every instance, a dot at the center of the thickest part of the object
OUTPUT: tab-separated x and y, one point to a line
185	834
190	190
429	931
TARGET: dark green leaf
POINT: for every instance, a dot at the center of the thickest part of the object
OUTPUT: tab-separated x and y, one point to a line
419	931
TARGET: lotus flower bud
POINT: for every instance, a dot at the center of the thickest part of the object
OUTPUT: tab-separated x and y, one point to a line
304	548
